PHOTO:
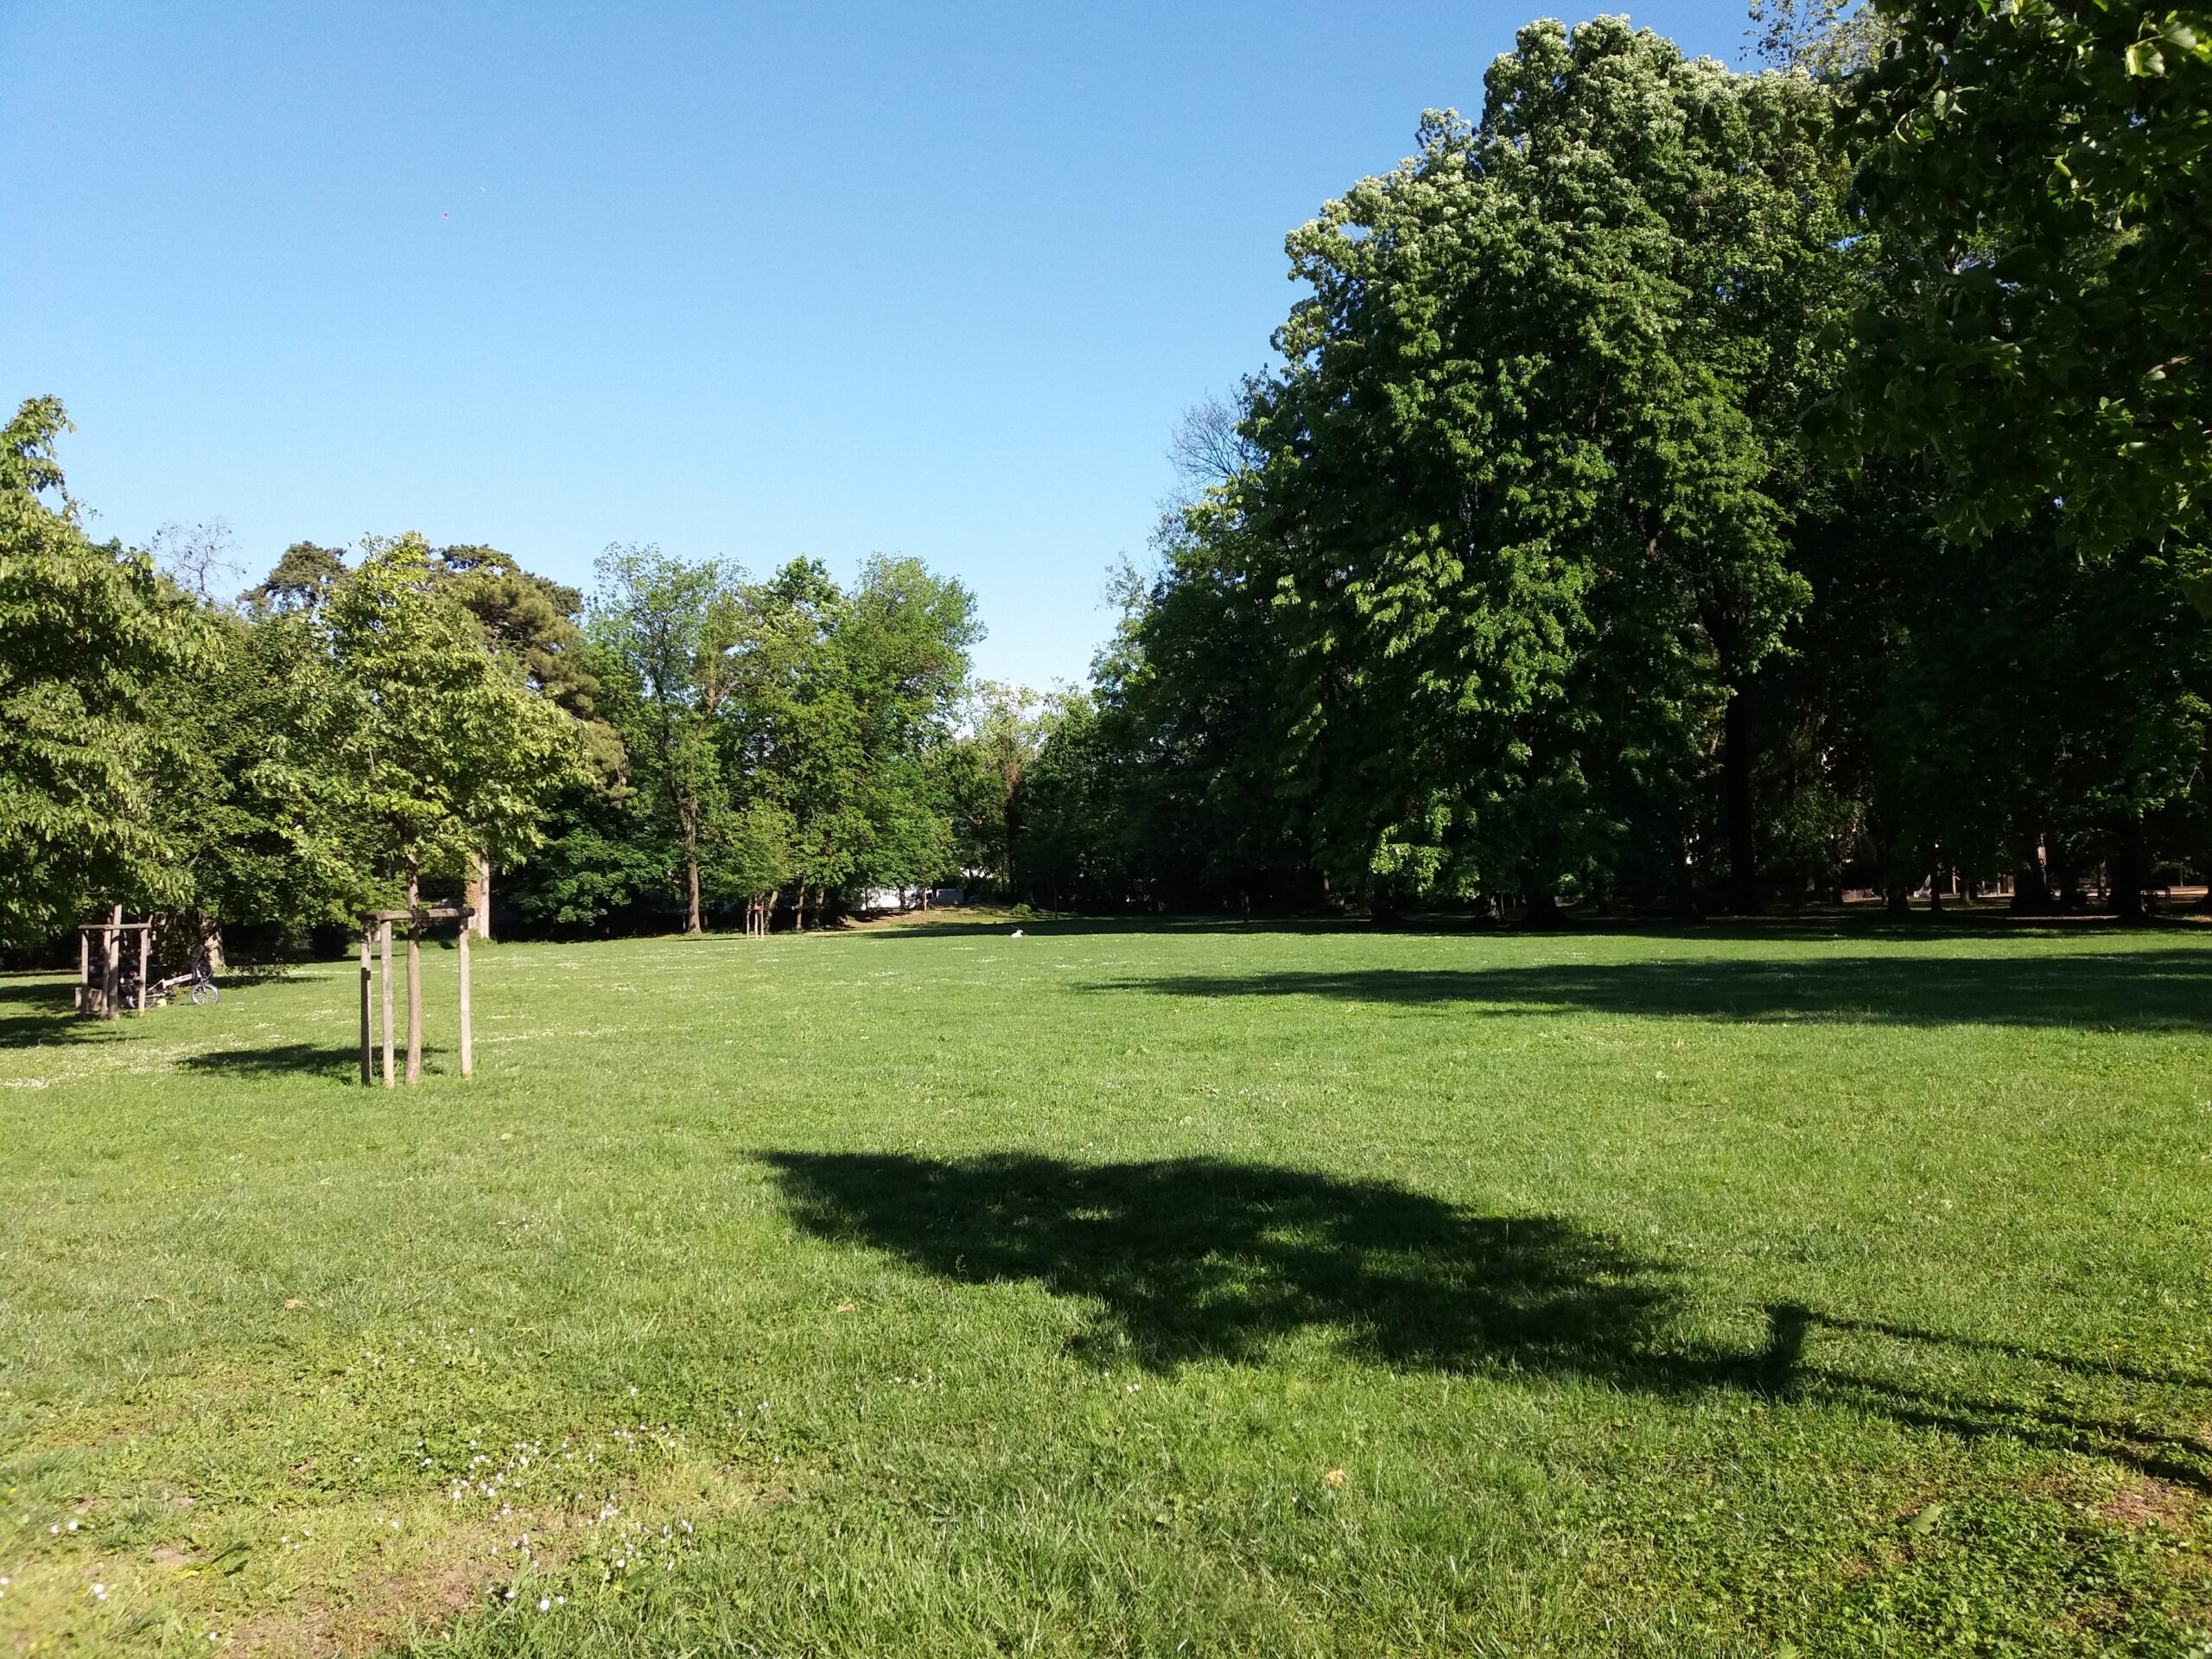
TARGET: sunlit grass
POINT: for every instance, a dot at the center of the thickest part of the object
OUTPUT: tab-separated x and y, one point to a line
1104	1291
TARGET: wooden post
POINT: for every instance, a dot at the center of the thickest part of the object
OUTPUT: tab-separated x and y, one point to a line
414	977
111	955
145	938
384	938
368	1034
83	971
468	1049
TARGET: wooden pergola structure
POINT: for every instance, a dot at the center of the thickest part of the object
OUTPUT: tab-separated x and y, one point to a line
376	932
101	996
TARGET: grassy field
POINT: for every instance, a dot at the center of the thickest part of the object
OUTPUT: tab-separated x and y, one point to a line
1800	1288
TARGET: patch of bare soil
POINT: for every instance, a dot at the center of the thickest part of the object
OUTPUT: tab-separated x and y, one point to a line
2147	1502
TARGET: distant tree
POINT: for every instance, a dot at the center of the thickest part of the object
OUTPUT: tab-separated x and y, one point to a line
1830	40
1002	731
201	559
257	793
672	630
451	749
901	644
536	623
1208	446
303	581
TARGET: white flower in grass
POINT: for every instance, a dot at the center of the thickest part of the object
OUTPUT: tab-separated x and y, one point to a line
100	1593
545	1604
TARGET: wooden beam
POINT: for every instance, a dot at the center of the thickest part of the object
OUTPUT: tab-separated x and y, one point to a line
368	1036
111	954
467	1047
414	979
384	938
144	939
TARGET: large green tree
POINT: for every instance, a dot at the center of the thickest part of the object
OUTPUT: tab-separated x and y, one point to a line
451	750
1519	514
2040	174
88	633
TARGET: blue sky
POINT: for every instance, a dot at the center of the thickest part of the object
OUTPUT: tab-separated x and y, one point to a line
748	281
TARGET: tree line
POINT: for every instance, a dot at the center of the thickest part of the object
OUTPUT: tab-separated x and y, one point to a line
1677	486
689	745
1696	488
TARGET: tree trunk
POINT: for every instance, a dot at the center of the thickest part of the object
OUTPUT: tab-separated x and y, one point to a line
209	932
1897	897
2030	890
111	959
2129	874
2065	879
1736	744
692	921
477	896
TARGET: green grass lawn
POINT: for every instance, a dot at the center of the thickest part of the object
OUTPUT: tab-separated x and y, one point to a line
1800	1288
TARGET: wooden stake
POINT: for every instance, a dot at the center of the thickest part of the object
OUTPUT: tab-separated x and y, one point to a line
111	955
145	938
414	978
368	1034
468	1052
383	937
83	971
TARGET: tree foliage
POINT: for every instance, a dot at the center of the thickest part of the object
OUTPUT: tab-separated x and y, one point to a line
87	635
2040	175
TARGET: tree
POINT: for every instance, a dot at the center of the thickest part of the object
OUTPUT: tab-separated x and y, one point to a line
87	634
901	642
451	749
536	624
1001	733
1520	517
256	794
1829	40
304	580
2040	176
672	629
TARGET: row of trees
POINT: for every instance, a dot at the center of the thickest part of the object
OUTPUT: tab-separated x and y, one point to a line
349	730
1694	487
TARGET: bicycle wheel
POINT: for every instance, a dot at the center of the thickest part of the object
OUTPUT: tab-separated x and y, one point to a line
203	992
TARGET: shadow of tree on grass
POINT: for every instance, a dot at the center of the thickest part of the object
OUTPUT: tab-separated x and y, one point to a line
2164	990
1195	1259
1198	1258
341	1060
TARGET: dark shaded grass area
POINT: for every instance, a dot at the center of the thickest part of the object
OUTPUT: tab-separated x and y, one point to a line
2136	990
1202	1258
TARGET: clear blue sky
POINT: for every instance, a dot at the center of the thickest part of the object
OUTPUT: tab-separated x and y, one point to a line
742	281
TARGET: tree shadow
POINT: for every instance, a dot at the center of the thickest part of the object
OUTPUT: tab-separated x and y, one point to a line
1187	1260
1192	1259
1789	1370
39	1014
341	1060
2135	990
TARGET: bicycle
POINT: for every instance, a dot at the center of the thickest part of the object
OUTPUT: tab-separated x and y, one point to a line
196	983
